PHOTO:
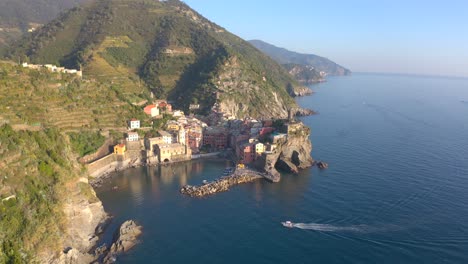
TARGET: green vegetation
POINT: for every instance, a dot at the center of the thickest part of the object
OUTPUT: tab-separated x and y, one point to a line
35	99
35	168
141	46
303	73
86	142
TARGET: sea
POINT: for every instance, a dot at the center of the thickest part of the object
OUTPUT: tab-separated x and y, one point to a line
396	190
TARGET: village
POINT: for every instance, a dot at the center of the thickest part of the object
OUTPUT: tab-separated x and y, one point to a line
184	137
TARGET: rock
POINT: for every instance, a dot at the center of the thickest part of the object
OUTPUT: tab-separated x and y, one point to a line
222	184
322	165
292	154
304	112
125	239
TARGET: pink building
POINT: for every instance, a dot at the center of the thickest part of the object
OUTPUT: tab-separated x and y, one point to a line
194	140
247	153
266	130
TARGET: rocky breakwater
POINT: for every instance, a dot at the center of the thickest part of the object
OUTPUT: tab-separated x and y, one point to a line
125	239
292	153
223	184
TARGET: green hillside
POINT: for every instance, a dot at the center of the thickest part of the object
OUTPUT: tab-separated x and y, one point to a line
166	48
34	99
17	16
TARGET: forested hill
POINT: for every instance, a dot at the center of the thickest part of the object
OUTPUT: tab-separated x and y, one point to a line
164	47
18	16
284	56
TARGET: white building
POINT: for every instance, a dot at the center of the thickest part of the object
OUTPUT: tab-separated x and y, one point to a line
178	113
134	124
132	136
167	138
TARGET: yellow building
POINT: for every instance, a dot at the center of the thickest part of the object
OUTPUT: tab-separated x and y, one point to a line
259	149
173	126
120	149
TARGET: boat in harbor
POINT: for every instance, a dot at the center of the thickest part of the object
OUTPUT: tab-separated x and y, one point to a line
288	224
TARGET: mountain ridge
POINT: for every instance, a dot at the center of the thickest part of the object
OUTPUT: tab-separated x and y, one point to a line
285	56
168	48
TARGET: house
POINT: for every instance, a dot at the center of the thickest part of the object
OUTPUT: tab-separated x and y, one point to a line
194	140
173	126
215	137
151	110
132	136
247	152
134	124
167	138
266	130
172	152
259	149
194	106
178	113
275	137
164	106
120	149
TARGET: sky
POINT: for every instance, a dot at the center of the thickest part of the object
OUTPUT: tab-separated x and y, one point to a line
400	36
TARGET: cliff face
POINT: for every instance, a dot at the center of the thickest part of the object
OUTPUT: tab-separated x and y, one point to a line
291	154
304	74
171	51
242	95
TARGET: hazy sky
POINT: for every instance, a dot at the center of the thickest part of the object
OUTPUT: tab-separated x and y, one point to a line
399	36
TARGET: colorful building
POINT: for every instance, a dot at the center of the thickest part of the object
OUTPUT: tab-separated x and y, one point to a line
151	110
194	140
259	149
215	137
247	152
120	149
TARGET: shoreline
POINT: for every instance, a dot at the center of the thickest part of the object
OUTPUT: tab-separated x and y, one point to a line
104	174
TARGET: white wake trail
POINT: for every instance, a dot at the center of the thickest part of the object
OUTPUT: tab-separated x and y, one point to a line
330	228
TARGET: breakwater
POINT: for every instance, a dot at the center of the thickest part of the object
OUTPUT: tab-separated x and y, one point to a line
223	184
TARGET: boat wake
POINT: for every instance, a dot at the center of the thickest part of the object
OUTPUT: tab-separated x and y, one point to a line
328	228
331	228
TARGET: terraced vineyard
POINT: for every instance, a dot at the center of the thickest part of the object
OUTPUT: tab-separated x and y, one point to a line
32	99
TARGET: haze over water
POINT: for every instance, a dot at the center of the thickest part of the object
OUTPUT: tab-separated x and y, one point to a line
395	192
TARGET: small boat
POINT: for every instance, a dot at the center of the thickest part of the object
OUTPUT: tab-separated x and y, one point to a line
205	182
288	224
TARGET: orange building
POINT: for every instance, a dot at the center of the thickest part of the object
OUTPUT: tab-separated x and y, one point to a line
120	149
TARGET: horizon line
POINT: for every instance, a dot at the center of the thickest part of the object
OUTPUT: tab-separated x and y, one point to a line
413	74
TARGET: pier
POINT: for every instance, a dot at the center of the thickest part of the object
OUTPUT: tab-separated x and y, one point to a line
223	184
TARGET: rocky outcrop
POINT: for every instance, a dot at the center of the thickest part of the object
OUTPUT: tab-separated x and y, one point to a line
304	112
299	91
125	239
223	184
83	214
291	154
305	74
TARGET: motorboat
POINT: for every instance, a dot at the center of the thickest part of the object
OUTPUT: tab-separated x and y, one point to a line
288	224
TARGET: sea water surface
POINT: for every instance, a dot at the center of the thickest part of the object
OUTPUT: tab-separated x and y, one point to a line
396	190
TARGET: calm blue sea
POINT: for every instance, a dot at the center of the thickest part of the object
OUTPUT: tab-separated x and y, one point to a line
396	190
